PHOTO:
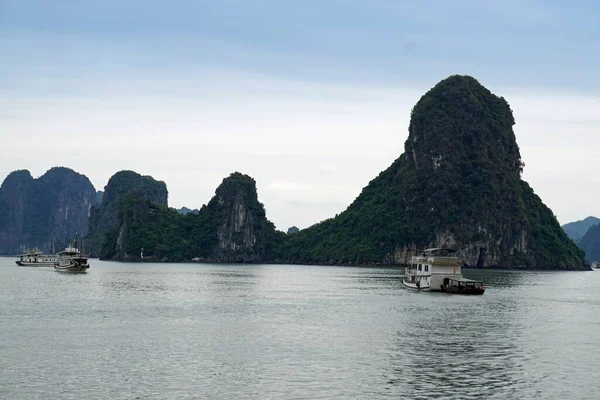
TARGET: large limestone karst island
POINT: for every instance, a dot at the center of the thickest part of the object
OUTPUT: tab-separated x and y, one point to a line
458	184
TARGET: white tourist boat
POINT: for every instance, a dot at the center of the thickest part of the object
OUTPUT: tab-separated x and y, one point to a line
72	260
432	269
35	258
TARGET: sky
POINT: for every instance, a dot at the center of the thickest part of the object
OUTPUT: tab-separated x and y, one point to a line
310	98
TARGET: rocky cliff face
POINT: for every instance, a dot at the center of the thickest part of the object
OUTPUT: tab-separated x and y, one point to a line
457	185
35	212
105	216
241	219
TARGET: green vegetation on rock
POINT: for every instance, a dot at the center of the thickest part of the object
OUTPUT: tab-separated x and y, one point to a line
105	216
232	227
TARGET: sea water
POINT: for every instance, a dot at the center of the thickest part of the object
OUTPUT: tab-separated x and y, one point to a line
205	331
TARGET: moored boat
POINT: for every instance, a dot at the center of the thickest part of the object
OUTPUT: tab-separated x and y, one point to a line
428	270
462	286
35	258
72	260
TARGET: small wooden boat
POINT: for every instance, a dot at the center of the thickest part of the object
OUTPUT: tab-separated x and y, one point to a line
462	286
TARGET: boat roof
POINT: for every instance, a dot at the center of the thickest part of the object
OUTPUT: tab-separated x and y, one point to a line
69	250
439	251
464	280
31	252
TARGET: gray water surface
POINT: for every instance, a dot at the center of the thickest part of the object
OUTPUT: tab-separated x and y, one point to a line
193	331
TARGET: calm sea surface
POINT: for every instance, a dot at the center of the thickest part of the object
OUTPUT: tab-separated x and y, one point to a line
187	331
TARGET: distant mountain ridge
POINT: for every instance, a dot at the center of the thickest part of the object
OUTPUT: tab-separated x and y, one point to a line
36	212
575	230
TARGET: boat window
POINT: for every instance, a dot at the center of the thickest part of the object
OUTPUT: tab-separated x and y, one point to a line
426	268
419	267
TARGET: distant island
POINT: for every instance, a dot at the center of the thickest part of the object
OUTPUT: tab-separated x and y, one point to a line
458	184
576	230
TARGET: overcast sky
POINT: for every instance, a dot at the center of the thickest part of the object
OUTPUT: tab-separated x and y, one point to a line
310	98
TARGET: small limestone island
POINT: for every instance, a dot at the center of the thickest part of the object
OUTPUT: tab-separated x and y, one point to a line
456	185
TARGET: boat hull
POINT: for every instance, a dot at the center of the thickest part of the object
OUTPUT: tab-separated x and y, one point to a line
73	266
72	269
35	264
465	291
414	286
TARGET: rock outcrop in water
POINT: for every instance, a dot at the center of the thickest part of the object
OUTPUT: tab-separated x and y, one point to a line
36	212
232	227
105	216
457	184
